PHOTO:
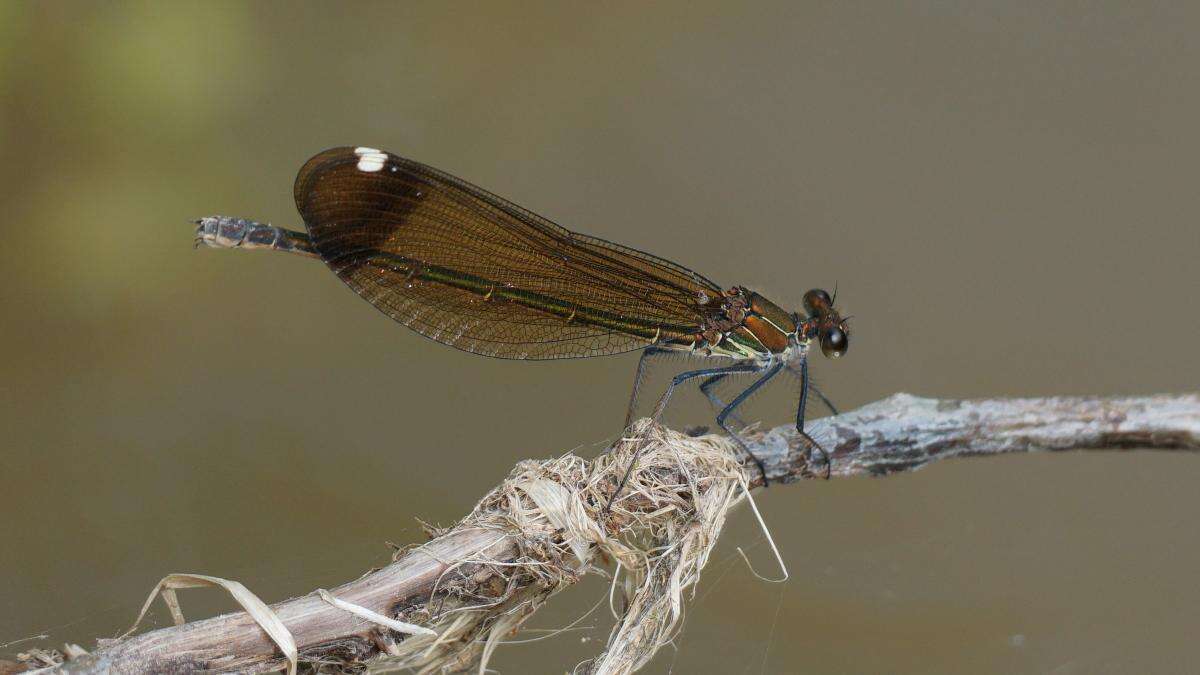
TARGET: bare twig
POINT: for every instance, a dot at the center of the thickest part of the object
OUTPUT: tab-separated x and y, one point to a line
507	567
904	433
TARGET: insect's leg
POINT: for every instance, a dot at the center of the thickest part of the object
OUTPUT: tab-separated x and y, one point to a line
693	374
772	371
808	440
662	404
647	354
828	404
706	388
824	399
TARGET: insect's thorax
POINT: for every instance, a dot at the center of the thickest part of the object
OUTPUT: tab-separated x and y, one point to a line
743	325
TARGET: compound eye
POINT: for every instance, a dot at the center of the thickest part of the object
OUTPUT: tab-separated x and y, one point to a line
817	301
834	342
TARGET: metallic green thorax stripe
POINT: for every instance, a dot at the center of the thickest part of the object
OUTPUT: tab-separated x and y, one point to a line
539	301
744	347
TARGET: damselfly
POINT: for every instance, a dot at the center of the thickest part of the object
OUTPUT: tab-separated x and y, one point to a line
466	268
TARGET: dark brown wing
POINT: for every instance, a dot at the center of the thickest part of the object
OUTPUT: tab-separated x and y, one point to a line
474	271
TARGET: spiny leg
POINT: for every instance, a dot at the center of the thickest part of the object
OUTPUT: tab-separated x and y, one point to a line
647	354
706	389
772	371
693	374
808	440
662	404
825	400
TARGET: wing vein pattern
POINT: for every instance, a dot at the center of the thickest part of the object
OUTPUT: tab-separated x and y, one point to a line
471	270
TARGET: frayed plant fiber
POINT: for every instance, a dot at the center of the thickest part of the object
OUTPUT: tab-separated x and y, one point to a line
659	532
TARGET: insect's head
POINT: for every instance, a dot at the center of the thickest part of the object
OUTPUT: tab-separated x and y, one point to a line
824	323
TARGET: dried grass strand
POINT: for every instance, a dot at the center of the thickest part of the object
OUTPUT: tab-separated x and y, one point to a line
660	533
258	610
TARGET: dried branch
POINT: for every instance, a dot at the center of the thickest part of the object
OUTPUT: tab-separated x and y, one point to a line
478	581
904	432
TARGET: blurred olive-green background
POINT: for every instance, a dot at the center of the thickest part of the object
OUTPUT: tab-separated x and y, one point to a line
1005	195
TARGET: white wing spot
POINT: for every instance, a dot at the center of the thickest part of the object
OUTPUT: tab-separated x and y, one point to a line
370	159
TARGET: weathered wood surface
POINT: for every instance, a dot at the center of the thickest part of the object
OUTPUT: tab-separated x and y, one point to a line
900	433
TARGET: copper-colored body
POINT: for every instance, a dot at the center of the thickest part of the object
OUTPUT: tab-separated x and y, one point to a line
742	324
471	270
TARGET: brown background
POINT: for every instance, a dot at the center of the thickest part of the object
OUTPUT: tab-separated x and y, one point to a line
1005	195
